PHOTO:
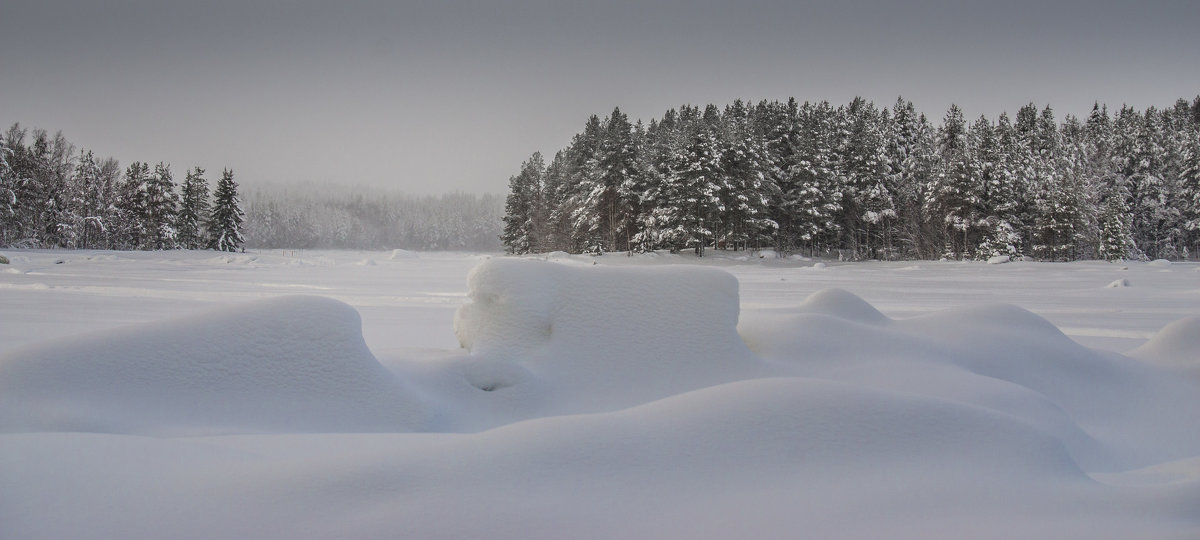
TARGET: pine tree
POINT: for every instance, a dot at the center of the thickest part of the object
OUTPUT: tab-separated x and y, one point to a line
616	167
521	227
951	197
812	193
225	221
1189	192
690	198
867	204
161	207
8	189
193	206
747	191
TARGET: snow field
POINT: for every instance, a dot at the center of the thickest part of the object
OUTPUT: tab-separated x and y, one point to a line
598	398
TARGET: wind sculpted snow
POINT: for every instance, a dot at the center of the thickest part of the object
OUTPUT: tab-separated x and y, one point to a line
628	398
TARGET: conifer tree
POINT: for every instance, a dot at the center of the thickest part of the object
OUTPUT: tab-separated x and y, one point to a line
161	206
521	227
811	197
690	197
225	221
193	207
951	195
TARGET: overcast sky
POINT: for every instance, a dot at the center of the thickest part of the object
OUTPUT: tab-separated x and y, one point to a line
440	96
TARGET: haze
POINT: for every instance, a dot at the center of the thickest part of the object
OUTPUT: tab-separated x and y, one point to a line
451	96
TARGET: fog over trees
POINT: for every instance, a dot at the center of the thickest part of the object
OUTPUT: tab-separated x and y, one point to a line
53	196
861	181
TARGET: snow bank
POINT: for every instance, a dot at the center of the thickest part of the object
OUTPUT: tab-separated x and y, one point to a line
999	357
402	254
285	364
1176	346
607	337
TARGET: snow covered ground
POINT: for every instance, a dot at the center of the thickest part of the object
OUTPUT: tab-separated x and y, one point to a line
291	394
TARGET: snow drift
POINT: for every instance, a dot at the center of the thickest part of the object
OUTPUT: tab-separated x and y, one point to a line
286	364
604	337
791	414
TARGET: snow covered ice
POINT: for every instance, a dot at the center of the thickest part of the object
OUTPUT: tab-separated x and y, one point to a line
307	395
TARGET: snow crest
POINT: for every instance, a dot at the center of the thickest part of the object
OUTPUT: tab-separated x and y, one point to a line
288	364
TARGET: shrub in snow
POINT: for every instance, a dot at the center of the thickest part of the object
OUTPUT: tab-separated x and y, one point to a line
3	259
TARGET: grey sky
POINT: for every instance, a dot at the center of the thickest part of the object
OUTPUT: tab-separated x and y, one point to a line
432	97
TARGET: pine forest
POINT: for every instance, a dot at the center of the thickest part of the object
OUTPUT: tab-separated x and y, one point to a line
863	182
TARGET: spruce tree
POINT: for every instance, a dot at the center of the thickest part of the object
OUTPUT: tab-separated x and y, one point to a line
162	204
193	206
951	196
225	220
521	228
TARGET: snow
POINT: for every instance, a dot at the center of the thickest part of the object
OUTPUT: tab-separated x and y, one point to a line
186	395
286	364
999	259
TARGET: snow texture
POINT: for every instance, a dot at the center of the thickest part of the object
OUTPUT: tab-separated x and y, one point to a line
281	365
664	330
597	397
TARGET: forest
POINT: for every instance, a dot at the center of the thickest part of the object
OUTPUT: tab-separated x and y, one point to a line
862	182
53	196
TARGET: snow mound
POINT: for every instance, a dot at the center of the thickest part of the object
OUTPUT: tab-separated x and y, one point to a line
819	266
1159	263
1176	346
1118	284
366	262
286	364
607	337
767	254
12	271
1000	259
842	304
402	254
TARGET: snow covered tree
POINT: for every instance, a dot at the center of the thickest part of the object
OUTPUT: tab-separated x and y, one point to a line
8	190
225	220
1189	189
690	198
161	205
747	191
951	197
193	207
521	227
611	197
130	231
867	204
812	190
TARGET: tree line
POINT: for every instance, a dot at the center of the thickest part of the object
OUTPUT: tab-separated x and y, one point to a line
53	196
861	181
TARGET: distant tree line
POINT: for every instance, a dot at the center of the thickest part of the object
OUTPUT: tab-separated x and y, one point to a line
863	182
331	217
53	196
